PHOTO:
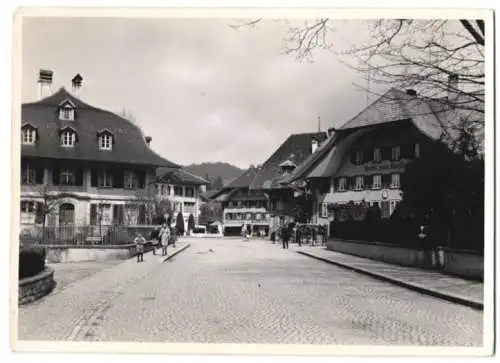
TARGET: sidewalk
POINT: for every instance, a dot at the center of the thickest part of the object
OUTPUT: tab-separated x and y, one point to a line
61	314
433	283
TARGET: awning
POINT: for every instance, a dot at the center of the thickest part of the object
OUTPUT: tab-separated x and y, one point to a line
359	196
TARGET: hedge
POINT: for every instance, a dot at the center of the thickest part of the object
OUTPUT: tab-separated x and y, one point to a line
31	261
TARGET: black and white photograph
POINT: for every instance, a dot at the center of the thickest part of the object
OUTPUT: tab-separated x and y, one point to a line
302	182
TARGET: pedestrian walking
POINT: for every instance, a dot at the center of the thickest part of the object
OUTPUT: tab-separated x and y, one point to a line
155	239
139	246
164	239
285	236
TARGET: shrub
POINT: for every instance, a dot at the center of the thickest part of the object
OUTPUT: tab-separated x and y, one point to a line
31	261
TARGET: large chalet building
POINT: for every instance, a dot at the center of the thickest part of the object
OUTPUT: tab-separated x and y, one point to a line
242	206
81	165
363	160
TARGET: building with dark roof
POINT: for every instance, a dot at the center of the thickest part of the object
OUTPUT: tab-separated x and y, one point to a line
243	206
92	164
183	189
362	160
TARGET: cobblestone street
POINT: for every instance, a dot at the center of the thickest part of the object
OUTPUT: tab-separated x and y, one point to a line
231	291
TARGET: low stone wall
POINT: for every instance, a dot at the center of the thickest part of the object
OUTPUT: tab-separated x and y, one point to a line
465	264
57	254
34	287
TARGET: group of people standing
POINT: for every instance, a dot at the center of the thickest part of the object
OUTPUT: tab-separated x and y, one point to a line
160	238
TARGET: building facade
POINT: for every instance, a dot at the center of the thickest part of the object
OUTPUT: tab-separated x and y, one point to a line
242	206
362	161
81	165
284	203
183	189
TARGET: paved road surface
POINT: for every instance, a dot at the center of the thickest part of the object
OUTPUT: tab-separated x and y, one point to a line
230	291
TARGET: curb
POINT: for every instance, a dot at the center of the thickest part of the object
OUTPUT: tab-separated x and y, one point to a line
176	252
412	286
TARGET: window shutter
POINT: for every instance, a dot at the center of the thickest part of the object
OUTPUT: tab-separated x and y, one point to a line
93	214
114	217
368	155
55	175
93	177
142	214
118	178
353	158
141	176
39	174
39	213
120	213
367	181
79	176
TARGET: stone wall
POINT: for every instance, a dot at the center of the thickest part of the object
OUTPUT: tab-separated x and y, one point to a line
57	254
465	264
34	287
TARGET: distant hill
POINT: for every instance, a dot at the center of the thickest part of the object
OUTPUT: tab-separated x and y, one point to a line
213	171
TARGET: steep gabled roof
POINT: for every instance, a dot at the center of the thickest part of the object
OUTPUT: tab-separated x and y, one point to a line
129	147
244	180
295	149
431	117
179	176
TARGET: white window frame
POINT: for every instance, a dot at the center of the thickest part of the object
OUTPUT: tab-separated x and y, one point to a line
130	180
106	142
396	153
67	177
27	211
105	213
360	183
377	181
67	114
68	138
417	150
359	157
104	179
396	181
324	210
30	173
342	184
28	136
377	155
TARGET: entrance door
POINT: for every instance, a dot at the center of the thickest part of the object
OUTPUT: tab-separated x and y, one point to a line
386	209
66	214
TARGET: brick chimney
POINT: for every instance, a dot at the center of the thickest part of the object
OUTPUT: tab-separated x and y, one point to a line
76	85
44	83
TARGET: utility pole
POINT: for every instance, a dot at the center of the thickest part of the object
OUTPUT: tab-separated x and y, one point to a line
319	123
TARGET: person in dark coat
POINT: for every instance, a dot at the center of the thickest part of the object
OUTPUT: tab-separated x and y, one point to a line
285	236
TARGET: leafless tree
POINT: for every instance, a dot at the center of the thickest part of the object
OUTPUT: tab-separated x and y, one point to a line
410	54
49	203
147	202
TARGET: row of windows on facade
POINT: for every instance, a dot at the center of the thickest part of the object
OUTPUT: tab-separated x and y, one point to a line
101	178
166	190
378	154
247	204
246	216
67	138
362	182
386	207
104	213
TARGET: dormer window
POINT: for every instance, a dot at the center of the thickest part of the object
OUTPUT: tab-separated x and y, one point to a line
105	139
68	137
28	135
67	110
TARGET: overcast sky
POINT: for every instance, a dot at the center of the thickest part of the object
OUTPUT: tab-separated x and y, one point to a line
203	90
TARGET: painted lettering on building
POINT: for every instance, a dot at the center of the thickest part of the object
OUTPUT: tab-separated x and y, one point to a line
388	166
